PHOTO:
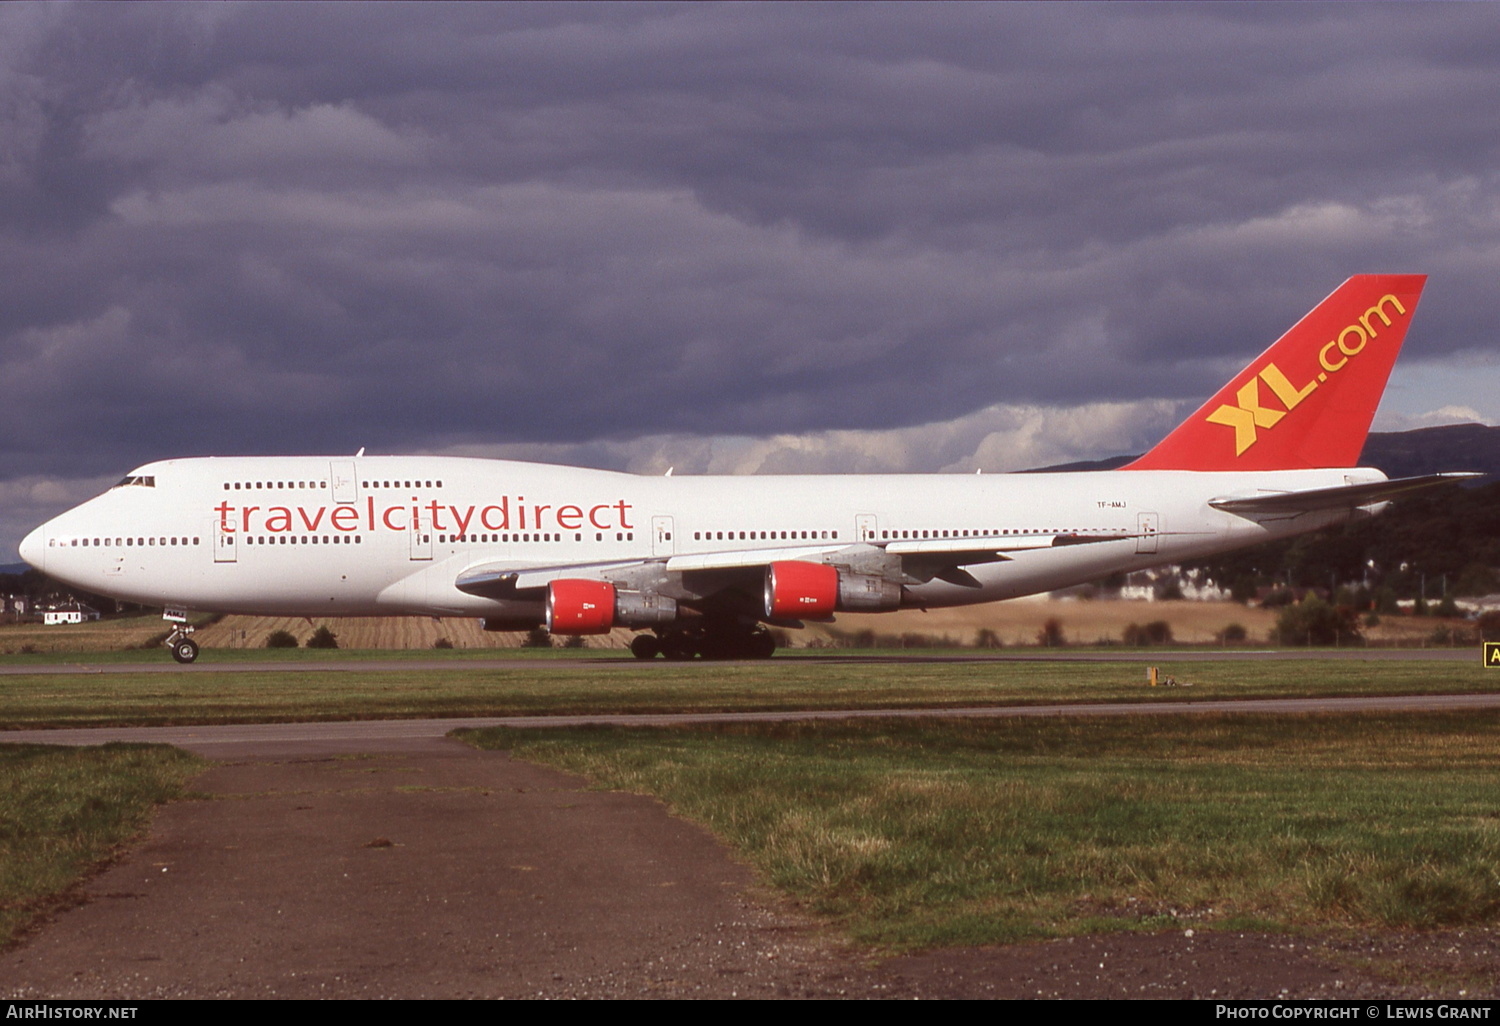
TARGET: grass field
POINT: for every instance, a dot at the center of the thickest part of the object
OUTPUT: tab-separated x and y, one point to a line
65	811
907	834
922	834
552	685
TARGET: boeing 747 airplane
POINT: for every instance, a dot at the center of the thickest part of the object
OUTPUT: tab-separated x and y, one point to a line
701	565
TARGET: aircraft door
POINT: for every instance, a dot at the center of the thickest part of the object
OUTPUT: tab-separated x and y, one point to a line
1148	527
344	481
420	536
225	548
661	537
865	527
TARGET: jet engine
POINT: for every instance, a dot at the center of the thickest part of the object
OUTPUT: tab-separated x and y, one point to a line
797	590
514	615
593	607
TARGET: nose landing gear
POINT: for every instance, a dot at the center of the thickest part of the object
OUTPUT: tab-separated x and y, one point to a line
183	648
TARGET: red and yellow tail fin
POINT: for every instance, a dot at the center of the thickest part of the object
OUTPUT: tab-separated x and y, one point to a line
1309	399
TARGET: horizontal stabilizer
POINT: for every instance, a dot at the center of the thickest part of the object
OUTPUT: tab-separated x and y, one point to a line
1341	497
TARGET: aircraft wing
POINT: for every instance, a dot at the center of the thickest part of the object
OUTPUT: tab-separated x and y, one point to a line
505	580
1351	496
914	561
751	557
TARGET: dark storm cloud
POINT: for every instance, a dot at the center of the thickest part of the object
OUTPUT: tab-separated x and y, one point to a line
295	228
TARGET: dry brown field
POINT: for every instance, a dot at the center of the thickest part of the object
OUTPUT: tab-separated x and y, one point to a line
1102	621
1084	621
392	632
112	635
1017	622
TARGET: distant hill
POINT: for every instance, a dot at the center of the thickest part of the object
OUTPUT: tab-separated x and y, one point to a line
1398	453
15	568
1435	449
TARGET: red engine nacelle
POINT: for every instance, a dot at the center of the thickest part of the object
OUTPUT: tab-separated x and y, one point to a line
580	607
796	590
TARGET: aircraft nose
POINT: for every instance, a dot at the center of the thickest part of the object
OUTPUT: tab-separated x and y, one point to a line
34	547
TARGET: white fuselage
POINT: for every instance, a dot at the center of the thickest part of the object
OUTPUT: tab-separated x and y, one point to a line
390	535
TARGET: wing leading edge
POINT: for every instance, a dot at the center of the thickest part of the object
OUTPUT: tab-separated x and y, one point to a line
911	561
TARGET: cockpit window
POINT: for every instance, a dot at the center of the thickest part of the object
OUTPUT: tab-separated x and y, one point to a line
139	480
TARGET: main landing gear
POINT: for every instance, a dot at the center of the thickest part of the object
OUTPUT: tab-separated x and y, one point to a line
722	642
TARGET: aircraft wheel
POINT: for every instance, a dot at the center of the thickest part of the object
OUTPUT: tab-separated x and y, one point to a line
755	644
762	644
185	651
678	647
645	646
716	646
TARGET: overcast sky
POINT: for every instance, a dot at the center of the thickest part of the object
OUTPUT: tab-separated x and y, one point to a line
728	239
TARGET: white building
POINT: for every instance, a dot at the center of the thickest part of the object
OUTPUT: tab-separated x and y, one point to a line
75	614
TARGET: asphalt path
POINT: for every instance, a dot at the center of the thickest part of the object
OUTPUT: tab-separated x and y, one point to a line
381	858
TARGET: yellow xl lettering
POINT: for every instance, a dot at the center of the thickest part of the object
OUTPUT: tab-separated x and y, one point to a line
1284	389
1248	415
1378	311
